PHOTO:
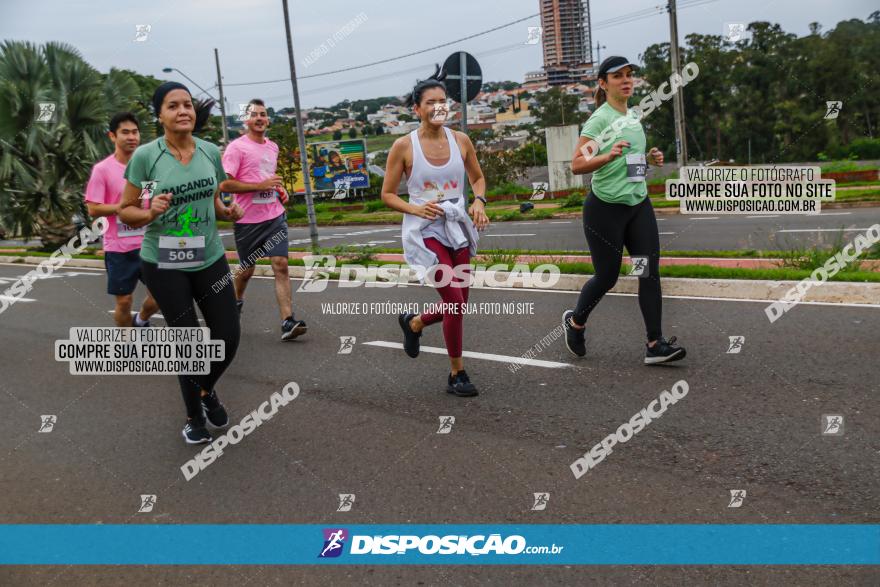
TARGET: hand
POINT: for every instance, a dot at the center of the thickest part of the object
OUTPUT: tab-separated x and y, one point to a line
282	195
617	150
478	213
655	156
234	212
431	210
273	182
159	204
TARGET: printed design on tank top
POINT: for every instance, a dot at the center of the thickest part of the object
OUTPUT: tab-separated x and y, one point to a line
433	189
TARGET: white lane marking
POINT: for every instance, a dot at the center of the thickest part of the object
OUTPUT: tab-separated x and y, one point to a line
667	233
823	230
22	265
560	291
15	299
560	222
764	216
510	234
133	312
834	213
705	218
474	355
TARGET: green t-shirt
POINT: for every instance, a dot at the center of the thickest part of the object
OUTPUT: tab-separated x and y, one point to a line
185	237
614	182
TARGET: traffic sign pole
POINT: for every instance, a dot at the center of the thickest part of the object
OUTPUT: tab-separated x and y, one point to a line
462	61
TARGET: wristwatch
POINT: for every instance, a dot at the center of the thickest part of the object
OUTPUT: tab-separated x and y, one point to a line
481	198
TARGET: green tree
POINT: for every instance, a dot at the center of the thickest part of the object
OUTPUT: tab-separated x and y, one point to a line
556	108
44	165
352	133
337	135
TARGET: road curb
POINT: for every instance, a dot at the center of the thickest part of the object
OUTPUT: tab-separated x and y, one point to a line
732	289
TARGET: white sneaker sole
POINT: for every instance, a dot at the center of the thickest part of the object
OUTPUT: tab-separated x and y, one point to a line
679	354
297	331
188	441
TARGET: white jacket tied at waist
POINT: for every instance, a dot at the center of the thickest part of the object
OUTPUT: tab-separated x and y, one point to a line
459	230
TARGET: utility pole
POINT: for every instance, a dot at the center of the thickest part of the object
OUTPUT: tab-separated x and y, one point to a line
310	204
462	60
599	52
222	101
678	99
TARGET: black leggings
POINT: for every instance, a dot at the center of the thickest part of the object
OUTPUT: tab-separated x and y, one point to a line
174	291
608	227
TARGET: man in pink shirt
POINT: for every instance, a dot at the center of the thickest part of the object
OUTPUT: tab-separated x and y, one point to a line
122	243
250	161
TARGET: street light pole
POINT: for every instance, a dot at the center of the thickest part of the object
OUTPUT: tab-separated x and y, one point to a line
678	99
300	133
222	101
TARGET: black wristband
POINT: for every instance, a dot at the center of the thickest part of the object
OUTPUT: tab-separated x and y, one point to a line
481	198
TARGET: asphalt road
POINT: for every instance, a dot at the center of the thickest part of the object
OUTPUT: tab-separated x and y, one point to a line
677	232
366	423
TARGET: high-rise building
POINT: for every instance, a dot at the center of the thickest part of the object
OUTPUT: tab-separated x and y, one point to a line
568	52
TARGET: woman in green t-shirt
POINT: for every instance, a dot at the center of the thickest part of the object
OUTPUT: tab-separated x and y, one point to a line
183	259
617	211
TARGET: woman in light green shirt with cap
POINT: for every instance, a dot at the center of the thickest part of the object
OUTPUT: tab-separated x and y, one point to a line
617	211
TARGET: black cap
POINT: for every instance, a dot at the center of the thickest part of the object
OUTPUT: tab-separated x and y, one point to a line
614	63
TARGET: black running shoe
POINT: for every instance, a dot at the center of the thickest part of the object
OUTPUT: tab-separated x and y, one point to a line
574	338
663	352
214	410
239	305
291	328
461	385
410	338
196	433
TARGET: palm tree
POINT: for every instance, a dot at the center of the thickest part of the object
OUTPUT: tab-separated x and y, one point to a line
45	160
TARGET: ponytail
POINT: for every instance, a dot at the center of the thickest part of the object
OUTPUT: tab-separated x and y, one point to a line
600	96
435	81
203	112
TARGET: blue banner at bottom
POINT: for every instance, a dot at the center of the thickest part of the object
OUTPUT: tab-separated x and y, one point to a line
474	544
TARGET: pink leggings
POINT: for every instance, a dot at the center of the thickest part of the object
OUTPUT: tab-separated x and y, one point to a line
453	297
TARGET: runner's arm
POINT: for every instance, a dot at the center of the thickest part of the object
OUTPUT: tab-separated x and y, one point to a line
581	165
472	166
394	168
130	210
224	212
98	210
233	186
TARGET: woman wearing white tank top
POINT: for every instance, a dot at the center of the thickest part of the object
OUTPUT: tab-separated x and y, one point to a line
438	228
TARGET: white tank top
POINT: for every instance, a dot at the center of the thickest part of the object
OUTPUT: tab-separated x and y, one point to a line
427	182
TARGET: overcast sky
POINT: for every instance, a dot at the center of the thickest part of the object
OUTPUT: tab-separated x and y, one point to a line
250	37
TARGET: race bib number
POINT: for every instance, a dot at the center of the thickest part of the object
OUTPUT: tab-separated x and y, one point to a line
123	230
636	167
181	252
264	197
